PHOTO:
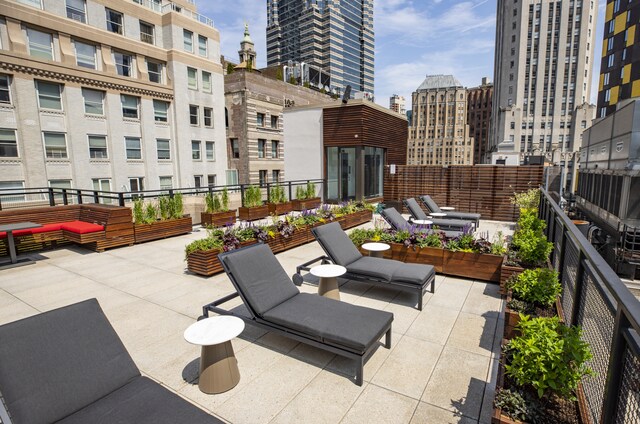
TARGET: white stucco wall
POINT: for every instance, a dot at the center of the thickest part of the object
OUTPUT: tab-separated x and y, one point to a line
303	154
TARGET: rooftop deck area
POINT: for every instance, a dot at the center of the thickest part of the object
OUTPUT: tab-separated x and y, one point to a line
441	367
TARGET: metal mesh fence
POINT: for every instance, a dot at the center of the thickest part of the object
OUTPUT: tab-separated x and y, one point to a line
596	317
628	407
569	275
557	245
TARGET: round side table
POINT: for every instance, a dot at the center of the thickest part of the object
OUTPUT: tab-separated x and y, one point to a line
422	222
437	214
328	286
218	364
376	250
448	208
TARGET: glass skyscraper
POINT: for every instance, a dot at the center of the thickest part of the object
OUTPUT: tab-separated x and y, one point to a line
334	35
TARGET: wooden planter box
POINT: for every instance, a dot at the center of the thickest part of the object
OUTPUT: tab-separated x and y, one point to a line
506	271
219	219
280	208
512	318
251	214
357	218
481	266
280	243
162	229
303	205
205	262
419	255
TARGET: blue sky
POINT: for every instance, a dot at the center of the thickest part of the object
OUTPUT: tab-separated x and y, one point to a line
413	38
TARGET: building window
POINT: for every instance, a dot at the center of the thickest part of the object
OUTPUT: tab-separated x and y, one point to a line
8	144
5	92
610	44
160	109
166	183
85	55
197	181
235	148
162	147
146	32
208	117
274	149
261	144
40	44
33	3
98	147
154	70
275	175
206	82
195	150
262	175
193	114
129	106
612	25
232	176
76	10
210	148
605	79
133	148
114	21
212	180
55	145
610	63
49	96
274	121
260	119
93	101
102	184
188	40
123	64
192	78
202	45
136	184
607	95
61	185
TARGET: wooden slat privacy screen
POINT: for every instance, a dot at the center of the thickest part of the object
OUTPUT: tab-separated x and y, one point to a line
484	189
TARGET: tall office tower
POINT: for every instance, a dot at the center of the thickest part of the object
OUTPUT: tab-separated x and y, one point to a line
542	80
334	35
439	134
397	104
479	118
620	63
115	95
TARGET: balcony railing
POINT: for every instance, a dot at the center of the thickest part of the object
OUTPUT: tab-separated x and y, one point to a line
596	299
172	7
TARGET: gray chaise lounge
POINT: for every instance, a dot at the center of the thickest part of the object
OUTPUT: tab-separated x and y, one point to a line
275	304
340	250
69	366
433	207
397	222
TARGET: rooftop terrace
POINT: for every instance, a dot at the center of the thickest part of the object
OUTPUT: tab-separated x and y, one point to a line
441	367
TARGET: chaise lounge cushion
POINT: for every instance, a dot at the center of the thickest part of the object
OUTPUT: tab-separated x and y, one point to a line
433	207
415	209
127	405
391	270
81	227
260	277
332	238
334	322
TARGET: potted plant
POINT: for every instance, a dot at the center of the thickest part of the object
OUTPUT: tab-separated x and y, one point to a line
306	197
533	292
471	257
278	203
166	219
253	207
354	213
217	213
540	373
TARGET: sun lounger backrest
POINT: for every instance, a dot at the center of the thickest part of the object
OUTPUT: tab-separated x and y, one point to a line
259	277
393	218
430	203
56	363
415	209
336	243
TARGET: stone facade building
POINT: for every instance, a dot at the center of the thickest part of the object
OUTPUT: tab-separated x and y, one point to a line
479	119
439	134
116	95
397	104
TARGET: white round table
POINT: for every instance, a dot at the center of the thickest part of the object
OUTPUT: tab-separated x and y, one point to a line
328	273
448	208
218	364
422	222
437	214
376	250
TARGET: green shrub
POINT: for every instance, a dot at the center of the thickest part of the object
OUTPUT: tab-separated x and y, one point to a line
540	285
548	356
176	206
252	197
276	195
311	190
516	405
150	213
498	244
164	207
529	199
224	197
301	193
532	247
529	220
431	239
138	211
212	202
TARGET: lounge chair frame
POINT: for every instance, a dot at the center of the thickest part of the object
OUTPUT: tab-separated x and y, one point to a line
255	320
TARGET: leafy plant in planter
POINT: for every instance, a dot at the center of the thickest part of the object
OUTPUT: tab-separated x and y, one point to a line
212	203
277	195
252	197
516	405
301	193
537	286
217	211
529	244
150	214
310	190
143	214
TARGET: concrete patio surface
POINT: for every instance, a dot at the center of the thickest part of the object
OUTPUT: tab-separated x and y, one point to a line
441	368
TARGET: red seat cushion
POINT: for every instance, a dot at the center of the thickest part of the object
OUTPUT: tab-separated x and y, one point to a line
44	229
81	227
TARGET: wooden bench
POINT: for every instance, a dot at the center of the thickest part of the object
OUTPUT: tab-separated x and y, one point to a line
80	225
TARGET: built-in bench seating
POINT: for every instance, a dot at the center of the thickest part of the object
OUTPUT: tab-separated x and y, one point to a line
94	226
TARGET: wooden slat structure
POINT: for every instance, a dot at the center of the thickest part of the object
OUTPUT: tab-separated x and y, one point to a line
485	189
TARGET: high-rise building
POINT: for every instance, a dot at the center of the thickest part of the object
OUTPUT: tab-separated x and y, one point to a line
542	81
439	134
116	95
479	118
397	104
620	63
334	35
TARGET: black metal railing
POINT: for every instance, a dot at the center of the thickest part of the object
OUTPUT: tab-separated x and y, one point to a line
596	299
50	196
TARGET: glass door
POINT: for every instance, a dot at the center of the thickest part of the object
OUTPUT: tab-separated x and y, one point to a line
341	173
